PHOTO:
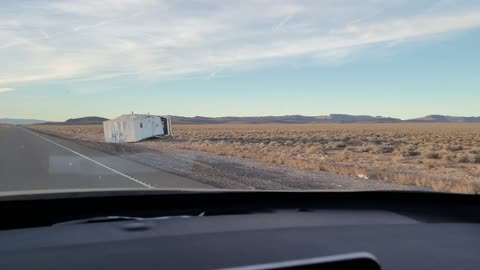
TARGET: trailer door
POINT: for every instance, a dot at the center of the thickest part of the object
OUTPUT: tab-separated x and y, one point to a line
165	126
157	126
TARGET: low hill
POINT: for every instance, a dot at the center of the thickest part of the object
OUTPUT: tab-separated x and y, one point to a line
88	120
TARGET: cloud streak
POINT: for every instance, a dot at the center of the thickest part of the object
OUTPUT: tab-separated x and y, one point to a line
97	40
6	89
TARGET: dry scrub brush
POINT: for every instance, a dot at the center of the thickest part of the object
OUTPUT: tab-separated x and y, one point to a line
444	157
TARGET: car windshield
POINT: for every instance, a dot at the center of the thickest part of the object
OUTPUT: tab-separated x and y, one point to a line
239	95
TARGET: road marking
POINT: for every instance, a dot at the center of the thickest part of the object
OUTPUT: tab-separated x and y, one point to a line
92	160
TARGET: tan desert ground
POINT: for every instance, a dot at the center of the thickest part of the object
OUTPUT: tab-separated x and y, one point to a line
434	156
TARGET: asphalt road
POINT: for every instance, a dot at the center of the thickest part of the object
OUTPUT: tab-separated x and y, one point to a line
35	161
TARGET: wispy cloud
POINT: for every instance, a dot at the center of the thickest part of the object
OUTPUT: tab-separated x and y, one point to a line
97	7
96	40
6	89
57	71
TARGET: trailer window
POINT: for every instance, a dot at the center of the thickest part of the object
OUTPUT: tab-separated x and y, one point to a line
141	125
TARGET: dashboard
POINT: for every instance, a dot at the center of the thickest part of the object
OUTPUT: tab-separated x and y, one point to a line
236	229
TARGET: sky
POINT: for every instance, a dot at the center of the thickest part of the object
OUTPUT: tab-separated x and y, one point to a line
397	58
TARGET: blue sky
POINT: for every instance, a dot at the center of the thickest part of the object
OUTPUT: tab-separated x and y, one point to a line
63	59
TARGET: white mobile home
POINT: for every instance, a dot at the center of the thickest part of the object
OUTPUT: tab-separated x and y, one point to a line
136	127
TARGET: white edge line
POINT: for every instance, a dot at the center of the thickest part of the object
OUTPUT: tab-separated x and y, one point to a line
92	160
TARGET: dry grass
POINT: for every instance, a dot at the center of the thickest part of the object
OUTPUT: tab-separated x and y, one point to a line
444	157
79	132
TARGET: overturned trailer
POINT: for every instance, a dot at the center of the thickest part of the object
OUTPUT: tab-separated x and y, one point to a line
136	127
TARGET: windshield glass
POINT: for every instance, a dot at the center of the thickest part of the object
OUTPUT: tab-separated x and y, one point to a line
247	95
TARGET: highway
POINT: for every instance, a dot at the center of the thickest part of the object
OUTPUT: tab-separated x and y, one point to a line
35	161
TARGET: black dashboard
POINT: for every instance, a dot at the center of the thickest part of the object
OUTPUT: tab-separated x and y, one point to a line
213	230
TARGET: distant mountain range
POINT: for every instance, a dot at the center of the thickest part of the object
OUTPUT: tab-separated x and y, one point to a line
286	119
446	119
11	121
332	118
